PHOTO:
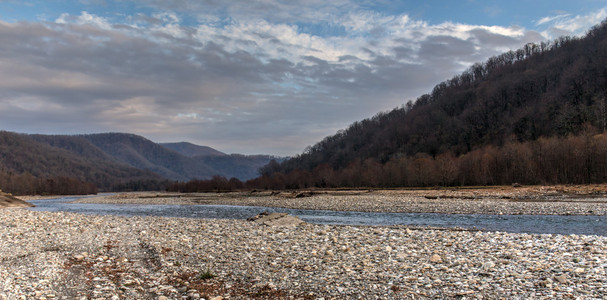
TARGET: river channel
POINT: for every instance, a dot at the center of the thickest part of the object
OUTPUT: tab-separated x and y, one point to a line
589	225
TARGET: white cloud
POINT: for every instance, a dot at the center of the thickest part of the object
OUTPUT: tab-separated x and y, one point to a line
545	20
567	24
84	18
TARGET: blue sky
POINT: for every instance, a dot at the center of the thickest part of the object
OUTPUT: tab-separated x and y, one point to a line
255	76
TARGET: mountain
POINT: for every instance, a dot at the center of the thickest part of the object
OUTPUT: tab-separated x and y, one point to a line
73	164
530	101
191	150
34	164
142	153
243	167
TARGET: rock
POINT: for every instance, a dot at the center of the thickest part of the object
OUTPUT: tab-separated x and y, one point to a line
561	278
79	257
546	283
435	258
488	266
276	219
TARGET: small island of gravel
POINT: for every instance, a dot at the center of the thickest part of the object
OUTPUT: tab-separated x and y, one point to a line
57	255
531	200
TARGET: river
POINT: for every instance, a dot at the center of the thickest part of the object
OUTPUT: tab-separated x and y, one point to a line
588	225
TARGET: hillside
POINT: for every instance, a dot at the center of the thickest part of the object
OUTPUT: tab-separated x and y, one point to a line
243	167
142	153
68	164
32	164
540	93
173	161
191	150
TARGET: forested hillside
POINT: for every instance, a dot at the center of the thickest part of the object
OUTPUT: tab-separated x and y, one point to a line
144	154
518	117
191	150
82	164
48	165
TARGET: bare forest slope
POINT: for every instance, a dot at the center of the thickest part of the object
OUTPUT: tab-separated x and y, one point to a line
489	125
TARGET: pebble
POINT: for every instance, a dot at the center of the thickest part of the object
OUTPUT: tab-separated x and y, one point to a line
528	201
561	279
57	255
435	258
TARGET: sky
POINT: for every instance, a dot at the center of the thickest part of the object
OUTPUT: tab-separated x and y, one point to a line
249	77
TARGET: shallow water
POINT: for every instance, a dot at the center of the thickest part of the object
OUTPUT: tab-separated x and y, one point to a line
590	225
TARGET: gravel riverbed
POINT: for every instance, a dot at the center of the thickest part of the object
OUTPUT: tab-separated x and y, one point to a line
556	200
49	255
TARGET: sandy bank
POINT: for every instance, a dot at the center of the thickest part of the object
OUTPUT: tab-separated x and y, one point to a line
8	200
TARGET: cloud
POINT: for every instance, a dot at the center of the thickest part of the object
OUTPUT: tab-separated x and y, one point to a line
567	24
84	18
244	76
551	19
275	11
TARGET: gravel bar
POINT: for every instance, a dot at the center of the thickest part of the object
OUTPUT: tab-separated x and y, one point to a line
576	200
57	255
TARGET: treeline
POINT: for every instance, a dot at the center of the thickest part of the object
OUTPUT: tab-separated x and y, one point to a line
541	90
559	160
27	184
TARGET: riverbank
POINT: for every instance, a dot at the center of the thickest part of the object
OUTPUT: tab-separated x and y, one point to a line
56	255
535	200
10	201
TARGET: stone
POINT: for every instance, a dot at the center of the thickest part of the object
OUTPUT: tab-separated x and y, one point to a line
488	266
436	258
79	257
561	278
547	283
276	219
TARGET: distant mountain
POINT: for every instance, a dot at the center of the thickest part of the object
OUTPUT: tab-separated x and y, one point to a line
28	161
142	153
191	150
110	161
243	167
